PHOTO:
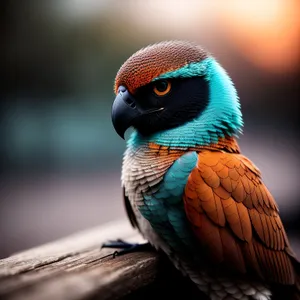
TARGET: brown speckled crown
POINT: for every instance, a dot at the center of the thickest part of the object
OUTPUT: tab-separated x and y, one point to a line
150	62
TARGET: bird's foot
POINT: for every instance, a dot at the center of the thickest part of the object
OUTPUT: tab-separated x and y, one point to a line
125	246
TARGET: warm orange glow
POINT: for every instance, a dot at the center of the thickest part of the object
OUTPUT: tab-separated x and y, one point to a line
267	32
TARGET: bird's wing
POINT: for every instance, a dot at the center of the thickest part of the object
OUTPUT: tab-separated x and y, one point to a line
235	218
130	214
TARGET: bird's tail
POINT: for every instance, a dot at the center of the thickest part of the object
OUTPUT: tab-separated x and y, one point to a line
289	292
296	290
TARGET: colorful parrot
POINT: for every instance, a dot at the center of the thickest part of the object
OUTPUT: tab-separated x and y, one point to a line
187	187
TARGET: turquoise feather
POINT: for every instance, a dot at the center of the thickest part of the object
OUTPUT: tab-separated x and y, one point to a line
164	209
221	117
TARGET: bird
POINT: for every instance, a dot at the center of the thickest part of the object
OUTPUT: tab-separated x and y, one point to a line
187	188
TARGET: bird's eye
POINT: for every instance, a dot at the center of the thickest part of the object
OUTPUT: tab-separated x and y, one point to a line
162	87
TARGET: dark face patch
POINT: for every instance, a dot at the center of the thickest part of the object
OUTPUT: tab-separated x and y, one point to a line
185	101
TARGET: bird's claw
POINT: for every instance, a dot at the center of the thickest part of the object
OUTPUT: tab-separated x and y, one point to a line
125	246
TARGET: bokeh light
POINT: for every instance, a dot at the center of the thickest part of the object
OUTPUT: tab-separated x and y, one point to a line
61	158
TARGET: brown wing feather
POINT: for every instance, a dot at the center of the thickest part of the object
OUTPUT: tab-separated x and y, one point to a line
236	218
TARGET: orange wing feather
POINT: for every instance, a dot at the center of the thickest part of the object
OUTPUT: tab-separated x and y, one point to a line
235	217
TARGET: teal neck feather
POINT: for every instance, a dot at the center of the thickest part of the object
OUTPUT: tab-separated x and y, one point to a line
222	117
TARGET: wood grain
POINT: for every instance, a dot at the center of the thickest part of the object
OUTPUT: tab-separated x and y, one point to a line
76	268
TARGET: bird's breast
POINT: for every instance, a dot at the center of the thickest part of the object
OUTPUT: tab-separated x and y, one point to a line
144	168
143	172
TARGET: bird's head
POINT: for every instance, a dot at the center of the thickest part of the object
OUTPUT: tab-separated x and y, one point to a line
174	93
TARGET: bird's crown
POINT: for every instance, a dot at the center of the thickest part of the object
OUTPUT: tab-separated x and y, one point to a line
154	60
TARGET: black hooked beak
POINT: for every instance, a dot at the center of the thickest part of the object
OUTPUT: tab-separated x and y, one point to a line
125	111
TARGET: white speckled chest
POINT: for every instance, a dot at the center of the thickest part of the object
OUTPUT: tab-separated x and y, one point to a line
143	169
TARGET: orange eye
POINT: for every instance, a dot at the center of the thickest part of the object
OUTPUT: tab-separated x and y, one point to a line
162	87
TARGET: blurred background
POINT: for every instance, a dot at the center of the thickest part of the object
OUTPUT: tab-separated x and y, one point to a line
60	157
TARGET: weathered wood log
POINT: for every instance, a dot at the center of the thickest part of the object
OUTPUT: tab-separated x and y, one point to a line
76	268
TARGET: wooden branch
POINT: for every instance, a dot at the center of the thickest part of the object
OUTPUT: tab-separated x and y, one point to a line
75	268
